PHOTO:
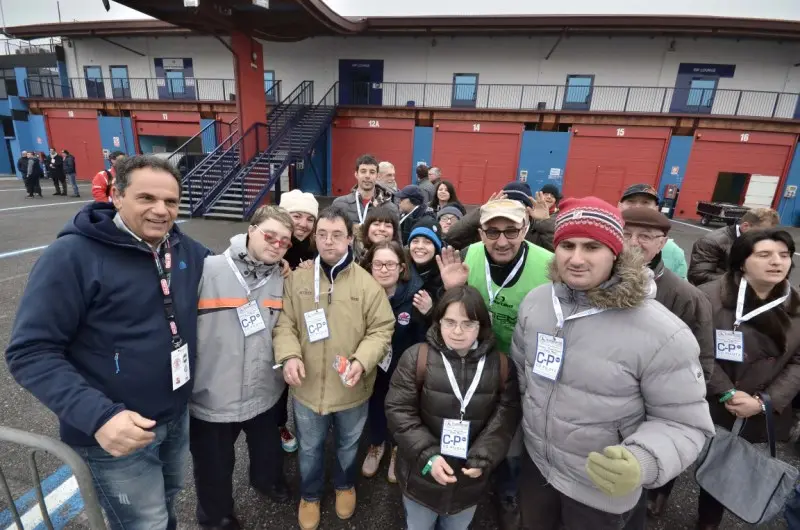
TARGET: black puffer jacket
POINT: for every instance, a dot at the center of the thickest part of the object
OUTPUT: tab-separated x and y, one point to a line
710	255
415	421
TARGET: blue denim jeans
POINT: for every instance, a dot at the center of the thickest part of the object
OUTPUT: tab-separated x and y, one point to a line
74	182
138	491
418	517
312	430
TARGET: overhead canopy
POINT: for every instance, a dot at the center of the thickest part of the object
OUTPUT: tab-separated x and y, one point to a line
292	20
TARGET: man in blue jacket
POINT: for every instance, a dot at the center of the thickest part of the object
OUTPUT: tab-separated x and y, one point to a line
115	362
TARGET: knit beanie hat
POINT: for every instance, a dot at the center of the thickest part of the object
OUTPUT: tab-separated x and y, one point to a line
450	210
519	191
298	201
592	218
429	229
553	190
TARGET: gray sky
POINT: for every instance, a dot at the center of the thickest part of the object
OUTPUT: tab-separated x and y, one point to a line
19	12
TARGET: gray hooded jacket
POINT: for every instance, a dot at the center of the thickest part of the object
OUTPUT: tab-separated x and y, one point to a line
234	380
630	376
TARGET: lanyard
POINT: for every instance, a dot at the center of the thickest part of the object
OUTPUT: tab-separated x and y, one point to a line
164	278
361	214
560	315
738	232
316	278
409	213
752	314
514	271
472	387
239	277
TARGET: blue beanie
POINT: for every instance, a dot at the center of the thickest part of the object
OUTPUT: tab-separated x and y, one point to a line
429	229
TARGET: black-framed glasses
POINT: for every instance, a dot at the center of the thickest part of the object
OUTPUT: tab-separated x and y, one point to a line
494	233
390	266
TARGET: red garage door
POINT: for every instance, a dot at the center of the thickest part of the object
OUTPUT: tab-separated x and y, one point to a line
182	124
479	158
385	138
715	151
78	132
604	160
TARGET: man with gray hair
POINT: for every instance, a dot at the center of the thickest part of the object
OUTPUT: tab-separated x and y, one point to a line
386	176
428	185
115	359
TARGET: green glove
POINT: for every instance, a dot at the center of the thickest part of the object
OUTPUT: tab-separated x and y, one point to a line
616	472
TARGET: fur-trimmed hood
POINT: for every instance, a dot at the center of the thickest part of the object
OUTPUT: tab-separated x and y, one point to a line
631	283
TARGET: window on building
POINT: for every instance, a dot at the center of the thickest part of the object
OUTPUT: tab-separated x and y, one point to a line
578	93
270	87
94	82
175	82
120	84
465	90
701	93
8	86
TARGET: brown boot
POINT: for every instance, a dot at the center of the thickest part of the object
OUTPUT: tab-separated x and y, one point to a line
308	514
657	504
345	503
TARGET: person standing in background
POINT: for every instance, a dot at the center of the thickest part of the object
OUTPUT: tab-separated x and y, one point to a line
22	164
56	172
366	194
104	180
69	171
304	208
387	176
33	175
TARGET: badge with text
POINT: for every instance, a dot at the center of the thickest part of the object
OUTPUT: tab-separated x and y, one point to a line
179	360
549	353
730	346
317	325
387	359
250	318
455	438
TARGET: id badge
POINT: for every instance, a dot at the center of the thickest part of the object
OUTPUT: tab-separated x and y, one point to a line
250	318
455	438
549	354
387	359
317	325
179	360
730	346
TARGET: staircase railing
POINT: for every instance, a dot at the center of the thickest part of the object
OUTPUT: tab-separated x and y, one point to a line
214	179
288	150
300	98
184	160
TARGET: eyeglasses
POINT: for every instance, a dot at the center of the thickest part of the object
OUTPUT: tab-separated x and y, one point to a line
272	239
466	325
494	233
336	237
642	238
390	266
450	219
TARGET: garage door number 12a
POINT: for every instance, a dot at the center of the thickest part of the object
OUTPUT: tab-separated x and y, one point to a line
374	124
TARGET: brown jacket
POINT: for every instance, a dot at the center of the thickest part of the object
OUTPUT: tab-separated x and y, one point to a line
465	232
415	419
771	355
688	303
710	255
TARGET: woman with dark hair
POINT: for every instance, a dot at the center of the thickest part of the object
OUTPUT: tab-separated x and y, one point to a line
453	407
446	196
380	225
389	266
424	244
757	321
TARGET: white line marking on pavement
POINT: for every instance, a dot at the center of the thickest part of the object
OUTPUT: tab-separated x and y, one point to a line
57	497
14	253
706	229
15	277
23	189
41	205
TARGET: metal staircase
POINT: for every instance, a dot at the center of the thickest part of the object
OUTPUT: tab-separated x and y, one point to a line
203	181
246	190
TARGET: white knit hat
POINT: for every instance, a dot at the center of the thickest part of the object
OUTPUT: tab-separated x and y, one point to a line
298	201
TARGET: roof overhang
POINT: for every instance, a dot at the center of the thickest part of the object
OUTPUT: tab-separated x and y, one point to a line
293	20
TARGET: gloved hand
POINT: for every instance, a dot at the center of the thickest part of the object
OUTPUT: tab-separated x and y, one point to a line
616	472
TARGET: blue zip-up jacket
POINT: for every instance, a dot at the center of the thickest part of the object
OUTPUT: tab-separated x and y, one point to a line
410	326
104	344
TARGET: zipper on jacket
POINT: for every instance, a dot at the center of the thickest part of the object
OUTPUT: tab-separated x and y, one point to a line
116	362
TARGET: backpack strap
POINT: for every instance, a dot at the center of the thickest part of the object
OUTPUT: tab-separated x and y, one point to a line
422	364
503	371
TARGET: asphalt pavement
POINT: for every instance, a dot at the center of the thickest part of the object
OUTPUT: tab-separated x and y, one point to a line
28	225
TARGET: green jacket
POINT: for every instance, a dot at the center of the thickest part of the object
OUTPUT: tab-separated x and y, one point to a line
674	258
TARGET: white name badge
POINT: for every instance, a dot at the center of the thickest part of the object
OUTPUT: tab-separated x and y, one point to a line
250	318
455	438
387	360
549	353
730	346
179	360
317	325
